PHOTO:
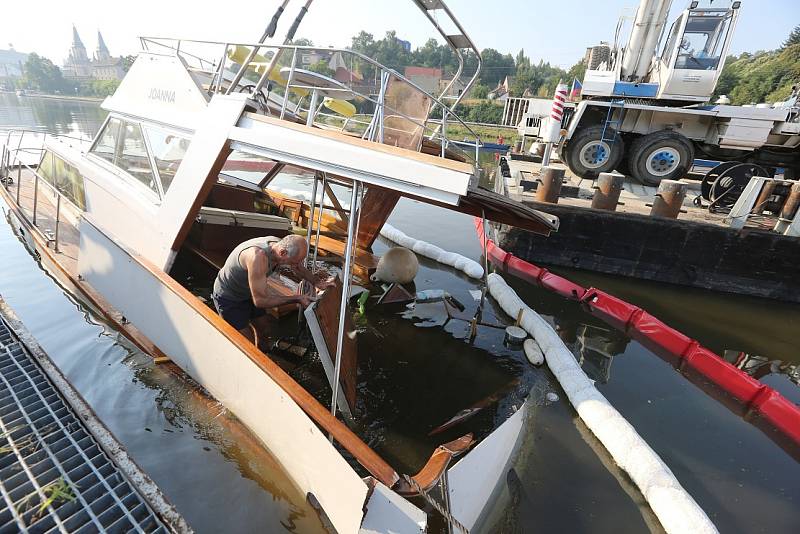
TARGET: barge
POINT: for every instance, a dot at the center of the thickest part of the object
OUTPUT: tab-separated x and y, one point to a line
699	247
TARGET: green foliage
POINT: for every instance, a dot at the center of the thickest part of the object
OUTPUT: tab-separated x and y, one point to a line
794	38
760	77
496	67
322	68
127	61
41	74
485	112
100	87
479	91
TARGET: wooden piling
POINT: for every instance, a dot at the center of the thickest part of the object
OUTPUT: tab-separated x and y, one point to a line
606	193
550	180
669	199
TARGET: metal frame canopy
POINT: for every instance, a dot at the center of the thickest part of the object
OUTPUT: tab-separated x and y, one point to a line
457	41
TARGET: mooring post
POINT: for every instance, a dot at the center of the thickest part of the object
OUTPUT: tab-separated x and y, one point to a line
789	209
669	199
607	190
549	188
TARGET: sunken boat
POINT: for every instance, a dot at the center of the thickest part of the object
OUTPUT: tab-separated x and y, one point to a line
208	144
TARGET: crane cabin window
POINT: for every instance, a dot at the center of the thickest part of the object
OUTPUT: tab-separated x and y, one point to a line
702	42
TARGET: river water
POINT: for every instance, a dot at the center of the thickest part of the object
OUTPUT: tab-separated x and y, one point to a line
563	483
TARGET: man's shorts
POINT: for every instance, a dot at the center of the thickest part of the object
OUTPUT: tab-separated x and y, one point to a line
238	313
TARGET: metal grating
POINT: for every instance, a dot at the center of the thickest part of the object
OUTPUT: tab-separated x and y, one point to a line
44	448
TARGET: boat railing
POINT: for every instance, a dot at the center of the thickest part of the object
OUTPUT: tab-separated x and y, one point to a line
255	67
11	159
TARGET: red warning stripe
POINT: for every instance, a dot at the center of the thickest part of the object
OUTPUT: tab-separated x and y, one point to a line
680	350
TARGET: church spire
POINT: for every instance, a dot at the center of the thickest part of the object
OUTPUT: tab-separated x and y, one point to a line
76	39
102	53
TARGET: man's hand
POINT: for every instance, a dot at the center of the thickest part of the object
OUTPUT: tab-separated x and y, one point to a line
305	300
324	283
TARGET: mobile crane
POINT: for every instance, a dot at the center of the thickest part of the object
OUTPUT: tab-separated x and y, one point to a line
644	109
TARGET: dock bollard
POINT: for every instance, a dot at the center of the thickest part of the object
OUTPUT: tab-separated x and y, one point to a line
607	190
550	180
789	209
669	199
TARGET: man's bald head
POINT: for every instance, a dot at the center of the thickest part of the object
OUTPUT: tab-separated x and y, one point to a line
291	249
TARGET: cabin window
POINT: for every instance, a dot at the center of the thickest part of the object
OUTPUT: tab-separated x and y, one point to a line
121	143
133	157
702	43
64	177
168	151
106	145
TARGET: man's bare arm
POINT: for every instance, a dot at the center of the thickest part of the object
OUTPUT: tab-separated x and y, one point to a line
255	260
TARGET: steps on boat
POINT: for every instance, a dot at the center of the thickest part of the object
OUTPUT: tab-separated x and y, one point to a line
60	468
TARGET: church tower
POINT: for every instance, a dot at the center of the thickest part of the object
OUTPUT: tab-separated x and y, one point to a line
102	53
77	54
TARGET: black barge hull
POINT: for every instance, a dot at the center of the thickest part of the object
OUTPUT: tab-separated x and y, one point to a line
752	262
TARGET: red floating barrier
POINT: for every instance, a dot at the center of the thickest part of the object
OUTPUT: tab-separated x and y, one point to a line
663	340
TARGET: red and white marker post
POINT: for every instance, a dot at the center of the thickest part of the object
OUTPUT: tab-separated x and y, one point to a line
553	132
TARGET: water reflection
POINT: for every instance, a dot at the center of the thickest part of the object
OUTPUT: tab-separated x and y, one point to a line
67	117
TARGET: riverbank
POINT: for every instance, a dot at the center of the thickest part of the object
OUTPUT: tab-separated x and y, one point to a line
93	99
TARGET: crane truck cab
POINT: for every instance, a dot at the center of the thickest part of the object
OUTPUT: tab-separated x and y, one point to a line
644	104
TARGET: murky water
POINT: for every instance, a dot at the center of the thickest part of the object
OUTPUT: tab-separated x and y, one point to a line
563	483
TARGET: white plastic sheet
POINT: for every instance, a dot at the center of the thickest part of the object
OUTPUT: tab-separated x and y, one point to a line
675	508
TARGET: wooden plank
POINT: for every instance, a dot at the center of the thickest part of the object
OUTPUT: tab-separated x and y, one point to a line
336	204
377	206
364	262
357	141
327	312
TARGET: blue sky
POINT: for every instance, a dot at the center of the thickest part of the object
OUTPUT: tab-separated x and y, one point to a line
557	31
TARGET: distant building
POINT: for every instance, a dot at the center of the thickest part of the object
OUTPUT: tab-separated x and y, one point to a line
342	73
503	89
427	78
102	66
405	44
456	89
11	66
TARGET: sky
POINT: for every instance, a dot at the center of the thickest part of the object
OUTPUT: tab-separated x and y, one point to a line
556	31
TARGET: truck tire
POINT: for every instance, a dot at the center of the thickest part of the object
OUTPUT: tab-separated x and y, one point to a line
587	154
663	155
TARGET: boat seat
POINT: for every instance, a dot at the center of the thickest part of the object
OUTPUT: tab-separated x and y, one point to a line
225	217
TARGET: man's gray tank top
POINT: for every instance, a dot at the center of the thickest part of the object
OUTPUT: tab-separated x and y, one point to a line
231	282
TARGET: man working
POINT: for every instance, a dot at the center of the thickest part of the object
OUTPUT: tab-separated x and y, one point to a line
241	294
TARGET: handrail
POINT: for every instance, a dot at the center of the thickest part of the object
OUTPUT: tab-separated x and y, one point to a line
175	44
10	156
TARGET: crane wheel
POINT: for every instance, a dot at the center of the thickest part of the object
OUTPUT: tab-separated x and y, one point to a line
663	155
589	152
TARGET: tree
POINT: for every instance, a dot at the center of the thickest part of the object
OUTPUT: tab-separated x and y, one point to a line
496	67
42	75
303	42
479	91
322	68
794	38
127	61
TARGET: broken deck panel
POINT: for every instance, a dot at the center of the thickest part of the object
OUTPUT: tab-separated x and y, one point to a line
54	473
